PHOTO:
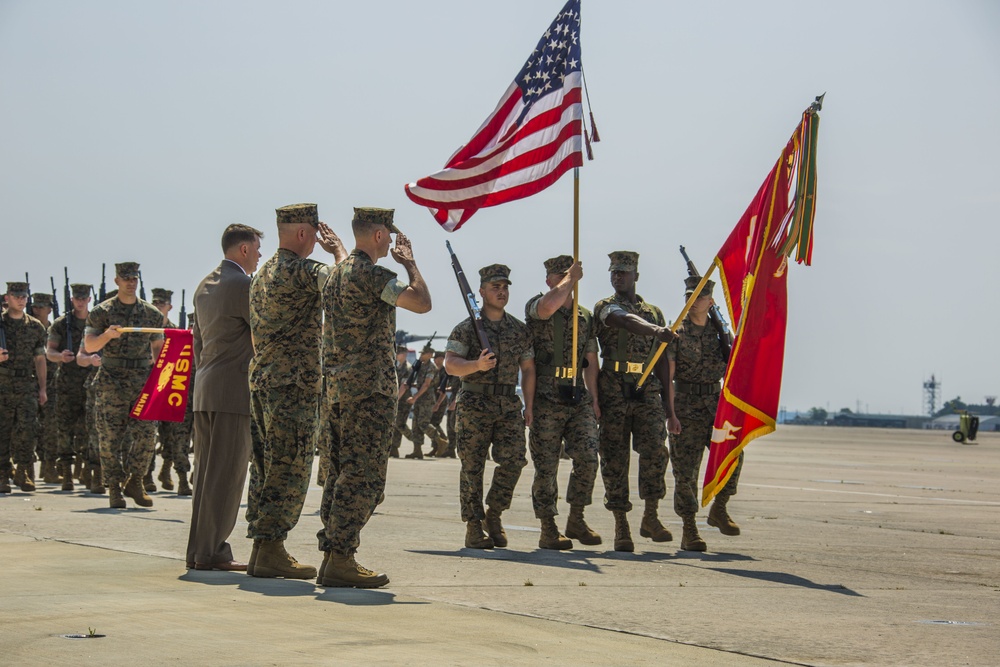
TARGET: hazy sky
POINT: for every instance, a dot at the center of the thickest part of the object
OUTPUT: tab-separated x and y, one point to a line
139	130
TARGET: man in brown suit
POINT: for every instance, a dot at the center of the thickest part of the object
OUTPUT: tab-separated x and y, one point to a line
223	348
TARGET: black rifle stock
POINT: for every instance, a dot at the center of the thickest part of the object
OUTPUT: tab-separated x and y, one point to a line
142	288
714	314
67	299
104	284
183	317
469	297
55	298
27	281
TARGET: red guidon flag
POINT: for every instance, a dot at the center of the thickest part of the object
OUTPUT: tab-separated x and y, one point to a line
165	396
753	270
533	137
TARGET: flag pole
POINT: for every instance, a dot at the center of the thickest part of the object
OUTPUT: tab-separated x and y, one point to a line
576	258
142	329
677	324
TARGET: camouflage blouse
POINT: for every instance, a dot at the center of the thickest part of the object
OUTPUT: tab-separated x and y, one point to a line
698	354
543	341
509	340
359	334
637	348
70	372
25	341
129	345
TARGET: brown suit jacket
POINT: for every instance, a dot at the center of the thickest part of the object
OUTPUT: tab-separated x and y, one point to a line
222	343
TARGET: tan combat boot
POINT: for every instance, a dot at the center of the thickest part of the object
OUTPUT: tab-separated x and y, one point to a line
24	477
344	571
78	470
651	526
495	528
416	453
115	498
66	470
252	563
719	518
86	476
550	537
691	540
147	483
165	482
96	479
48	472
134	490
183	486
5	482
274	561
577	528
623	534
476	537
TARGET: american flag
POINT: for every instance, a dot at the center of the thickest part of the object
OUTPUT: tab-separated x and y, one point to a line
531	139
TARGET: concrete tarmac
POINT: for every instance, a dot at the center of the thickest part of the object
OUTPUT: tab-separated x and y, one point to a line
859	547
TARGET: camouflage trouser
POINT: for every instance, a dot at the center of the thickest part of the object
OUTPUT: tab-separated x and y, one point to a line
126	444
422	411
71	417
696	415
91	452
283	431
643	422
175	443
452	430
359	457
18	422
479	422
554	421
47	443
437	416
399	423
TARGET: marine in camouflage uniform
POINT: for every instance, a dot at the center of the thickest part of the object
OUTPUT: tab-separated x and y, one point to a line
174	437
489	410
697	364
126	444
285	383
47	442
563	409
400	428
629	330
422	402
360	302
65	337
22	388
453	387
433	430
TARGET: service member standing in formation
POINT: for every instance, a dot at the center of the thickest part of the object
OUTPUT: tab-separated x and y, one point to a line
65	336
221	400
629	330
439	440
489	410
400	429
285	322
126	444
697	364
360	302
175	437
47	441
422	402
563	409
22	388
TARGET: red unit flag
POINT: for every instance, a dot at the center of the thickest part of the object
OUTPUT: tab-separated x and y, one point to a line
165	395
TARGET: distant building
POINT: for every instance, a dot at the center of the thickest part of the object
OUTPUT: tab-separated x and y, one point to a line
950	423
878	421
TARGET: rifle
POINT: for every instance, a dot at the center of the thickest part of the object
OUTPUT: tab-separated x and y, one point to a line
55	298
67	299
142	288
28	283
470	301
104	291
183	317
714	314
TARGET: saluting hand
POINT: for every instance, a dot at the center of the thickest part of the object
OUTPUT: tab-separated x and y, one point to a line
402	252
329	241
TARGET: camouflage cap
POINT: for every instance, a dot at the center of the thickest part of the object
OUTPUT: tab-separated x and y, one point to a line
691	282
41	300
624	260
81	290
439	354
558	264
17	289
160	294
298	213
494	273
376	216
401	349
427	348
127	270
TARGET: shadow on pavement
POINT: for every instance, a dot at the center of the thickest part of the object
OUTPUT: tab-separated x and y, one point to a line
577	560
789	580
293	588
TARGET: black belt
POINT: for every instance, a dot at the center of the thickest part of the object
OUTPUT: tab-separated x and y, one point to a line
631	367
126	363
490	389
15	372
696	388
